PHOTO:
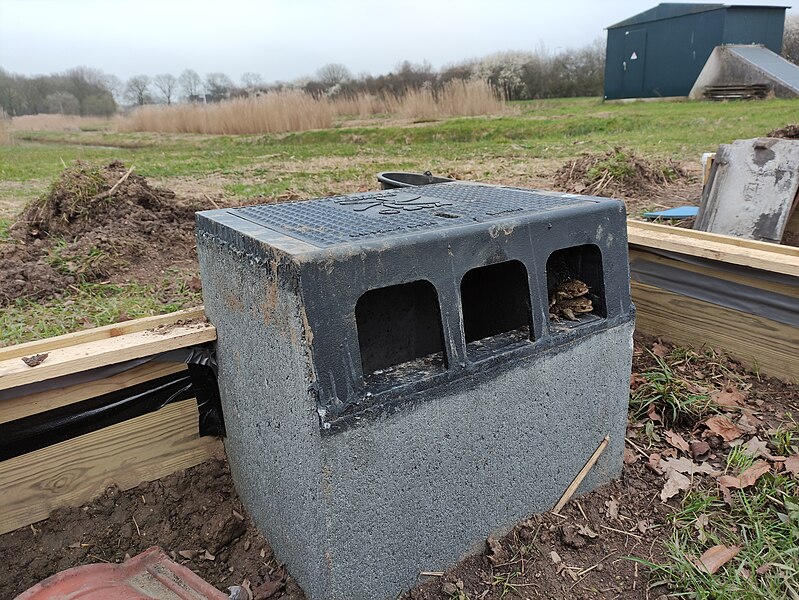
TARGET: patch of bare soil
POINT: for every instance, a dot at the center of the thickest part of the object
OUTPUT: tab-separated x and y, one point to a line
194	515
790	132
95	224
640	182
586	551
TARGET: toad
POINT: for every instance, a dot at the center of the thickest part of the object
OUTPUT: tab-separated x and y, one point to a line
569	299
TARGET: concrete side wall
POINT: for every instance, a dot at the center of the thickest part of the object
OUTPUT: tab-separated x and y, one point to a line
272	443
726	68
426	485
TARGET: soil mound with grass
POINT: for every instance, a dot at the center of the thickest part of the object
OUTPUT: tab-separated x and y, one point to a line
94	224
616	173
789	132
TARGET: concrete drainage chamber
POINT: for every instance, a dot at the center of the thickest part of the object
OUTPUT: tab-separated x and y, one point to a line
401	374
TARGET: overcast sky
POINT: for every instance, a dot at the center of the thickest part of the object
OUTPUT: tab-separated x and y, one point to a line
287	39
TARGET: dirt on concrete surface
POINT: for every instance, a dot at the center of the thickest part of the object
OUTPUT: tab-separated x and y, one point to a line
95	224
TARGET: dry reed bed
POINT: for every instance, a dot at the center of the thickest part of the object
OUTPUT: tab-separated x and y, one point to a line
58	122
296	111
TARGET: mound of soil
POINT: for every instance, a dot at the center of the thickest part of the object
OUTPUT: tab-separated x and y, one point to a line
616	173
790	132
93	224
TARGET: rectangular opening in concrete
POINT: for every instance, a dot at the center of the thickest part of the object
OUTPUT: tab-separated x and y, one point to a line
576	285
400	325
496	304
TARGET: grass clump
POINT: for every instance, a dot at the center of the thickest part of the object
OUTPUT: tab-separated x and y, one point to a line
676	399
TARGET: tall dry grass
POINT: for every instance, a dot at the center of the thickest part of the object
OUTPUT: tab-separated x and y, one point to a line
271	113
5	128
296	111
59	123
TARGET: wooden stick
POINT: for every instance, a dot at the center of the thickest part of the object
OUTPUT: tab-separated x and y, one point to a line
118	183
581	475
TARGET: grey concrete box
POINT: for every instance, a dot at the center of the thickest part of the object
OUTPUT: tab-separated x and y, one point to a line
393	387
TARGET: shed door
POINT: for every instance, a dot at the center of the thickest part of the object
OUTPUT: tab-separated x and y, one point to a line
634	48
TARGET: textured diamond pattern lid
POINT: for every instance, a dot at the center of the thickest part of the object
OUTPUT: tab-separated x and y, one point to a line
346	219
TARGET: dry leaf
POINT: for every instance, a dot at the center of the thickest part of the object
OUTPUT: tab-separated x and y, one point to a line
687	466
654	463
716	557
746	425
209	556
747	478
724	427
700	523
676	440
612	508
36	359
729	399
757	448
630	457
653	414
555	557
675	483
699	448
763	569
661	350
586	531
792	464
188	554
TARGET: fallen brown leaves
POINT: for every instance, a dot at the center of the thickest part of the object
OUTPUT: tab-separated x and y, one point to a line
716	557
722	426
747	478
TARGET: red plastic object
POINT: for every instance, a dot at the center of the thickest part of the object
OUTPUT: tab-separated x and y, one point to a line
151	575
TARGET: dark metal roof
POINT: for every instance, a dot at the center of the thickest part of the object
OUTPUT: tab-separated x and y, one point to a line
669	10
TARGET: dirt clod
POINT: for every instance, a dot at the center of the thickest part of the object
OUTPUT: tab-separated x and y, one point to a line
790	132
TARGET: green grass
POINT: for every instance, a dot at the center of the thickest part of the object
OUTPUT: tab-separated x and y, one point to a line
762	520
345	158
91	305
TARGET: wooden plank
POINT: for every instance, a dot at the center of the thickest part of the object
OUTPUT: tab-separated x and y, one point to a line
761	344
75	471
747	277
785	260
704	236
82	357
31	404
100	333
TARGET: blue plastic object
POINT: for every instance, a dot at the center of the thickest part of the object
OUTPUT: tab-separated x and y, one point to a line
681	212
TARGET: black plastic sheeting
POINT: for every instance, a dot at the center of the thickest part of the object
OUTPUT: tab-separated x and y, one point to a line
721	292
59	424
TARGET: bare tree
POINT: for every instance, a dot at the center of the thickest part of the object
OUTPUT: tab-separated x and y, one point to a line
191	84
217	86
790	40
333	74
167	84
137	90
250	81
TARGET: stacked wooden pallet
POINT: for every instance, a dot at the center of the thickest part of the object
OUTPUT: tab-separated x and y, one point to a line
736	92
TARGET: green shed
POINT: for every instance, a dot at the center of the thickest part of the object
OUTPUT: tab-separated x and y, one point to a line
660	52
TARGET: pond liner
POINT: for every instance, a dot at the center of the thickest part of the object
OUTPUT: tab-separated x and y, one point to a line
44	429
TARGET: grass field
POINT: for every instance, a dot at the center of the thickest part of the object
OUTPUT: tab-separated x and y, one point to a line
523	149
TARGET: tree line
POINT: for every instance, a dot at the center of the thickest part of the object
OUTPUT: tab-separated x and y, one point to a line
515	75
